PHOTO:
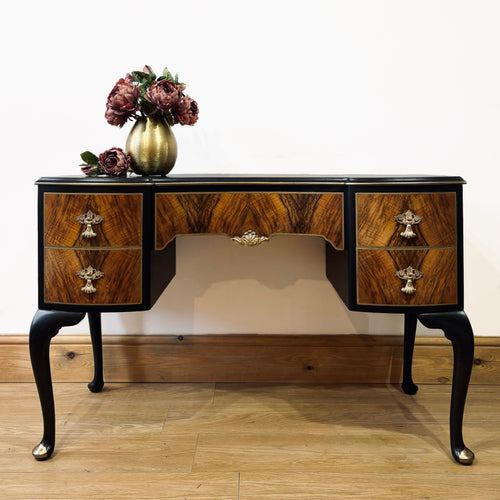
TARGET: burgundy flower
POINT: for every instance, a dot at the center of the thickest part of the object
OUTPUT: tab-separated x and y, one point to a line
117	118
123	100
114	161
163	94
186	111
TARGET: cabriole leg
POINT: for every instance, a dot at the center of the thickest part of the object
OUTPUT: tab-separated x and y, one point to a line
409	343
45	325
456	328
96	335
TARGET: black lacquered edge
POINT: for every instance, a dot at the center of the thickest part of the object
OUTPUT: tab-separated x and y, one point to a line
197	179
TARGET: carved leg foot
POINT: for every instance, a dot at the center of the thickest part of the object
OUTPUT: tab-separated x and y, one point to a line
96	335
409	343
45	325
456	328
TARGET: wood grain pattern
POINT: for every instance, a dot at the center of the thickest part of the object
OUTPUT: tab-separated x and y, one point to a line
235	213
378	284
268	442
121	284
122	225
376	226
208	358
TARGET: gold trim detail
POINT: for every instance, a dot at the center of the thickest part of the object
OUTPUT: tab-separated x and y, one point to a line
466	456
250	239
40	452
90	274
409	219
89	219
410	275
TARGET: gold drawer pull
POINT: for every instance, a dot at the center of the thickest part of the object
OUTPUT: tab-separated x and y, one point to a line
409	219
410	275
250	239
89	219
90	274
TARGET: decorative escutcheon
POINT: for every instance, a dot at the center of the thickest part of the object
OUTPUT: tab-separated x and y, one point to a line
409	219
89	219
89	274
409	275
250	239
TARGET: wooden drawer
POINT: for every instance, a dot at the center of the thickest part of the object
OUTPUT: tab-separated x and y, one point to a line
235	213
121	225
377	283
120	284
376	226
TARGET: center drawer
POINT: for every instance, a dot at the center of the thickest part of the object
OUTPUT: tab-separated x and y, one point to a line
236	213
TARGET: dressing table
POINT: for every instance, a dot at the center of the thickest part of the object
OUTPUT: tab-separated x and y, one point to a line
393	244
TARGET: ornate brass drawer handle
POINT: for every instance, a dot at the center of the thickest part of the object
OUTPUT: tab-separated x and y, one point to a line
89	274
89	219
409	219
410	275
250	239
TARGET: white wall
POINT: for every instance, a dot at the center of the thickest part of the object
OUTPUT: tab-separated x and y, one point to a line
327	87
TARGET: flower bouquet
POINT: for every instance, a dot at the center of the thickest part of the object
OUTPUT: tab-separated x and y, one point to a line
144	93
156	103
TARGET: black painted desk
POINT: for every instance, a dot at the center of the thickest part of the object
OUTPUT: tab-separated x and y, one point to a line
392	245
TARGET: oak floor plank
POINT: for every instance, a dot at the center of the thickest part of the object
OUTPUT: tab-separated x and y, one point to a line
327	486
248	441
142	453
350	452
170	486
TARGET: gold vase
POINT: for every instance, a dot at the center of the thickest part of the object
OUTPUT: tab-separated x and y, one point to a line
152	146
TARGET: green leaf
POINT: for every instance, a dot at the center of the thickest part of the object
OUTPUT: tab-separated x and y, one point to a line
168	118
89	158
138	76
143	78
151	74
168	75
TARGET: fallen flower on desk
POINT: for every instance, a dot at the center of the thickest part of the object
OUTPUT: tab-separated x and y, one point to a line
114	162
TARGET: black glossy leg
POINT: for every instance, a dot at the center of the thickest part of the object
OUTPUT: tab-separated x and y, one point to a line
96	335
409	343
456	328
45	325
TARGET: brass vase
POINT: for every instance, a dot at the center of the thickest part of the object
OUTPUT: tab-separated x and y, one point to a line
152	146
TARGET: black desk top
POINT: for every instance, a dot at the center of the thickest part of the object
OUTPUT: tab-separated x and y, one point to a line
197	179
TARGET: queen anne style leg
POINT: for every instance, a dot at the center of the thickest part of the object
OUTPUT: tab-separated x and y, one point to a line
456	328
409	343
97	383
45	325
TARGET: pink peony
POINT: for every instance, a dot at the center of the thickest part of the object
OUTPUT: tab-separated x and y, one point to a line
123	100
163	94
186	111
117	118
114	161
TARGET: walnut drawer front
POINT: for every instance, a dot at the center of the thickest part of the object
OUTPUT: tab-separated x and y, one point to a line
235	213
121	282
376	227
121	224
379	285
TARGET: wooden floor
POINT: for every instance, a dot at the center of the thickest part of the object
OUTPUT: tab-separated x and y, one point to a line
248	442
